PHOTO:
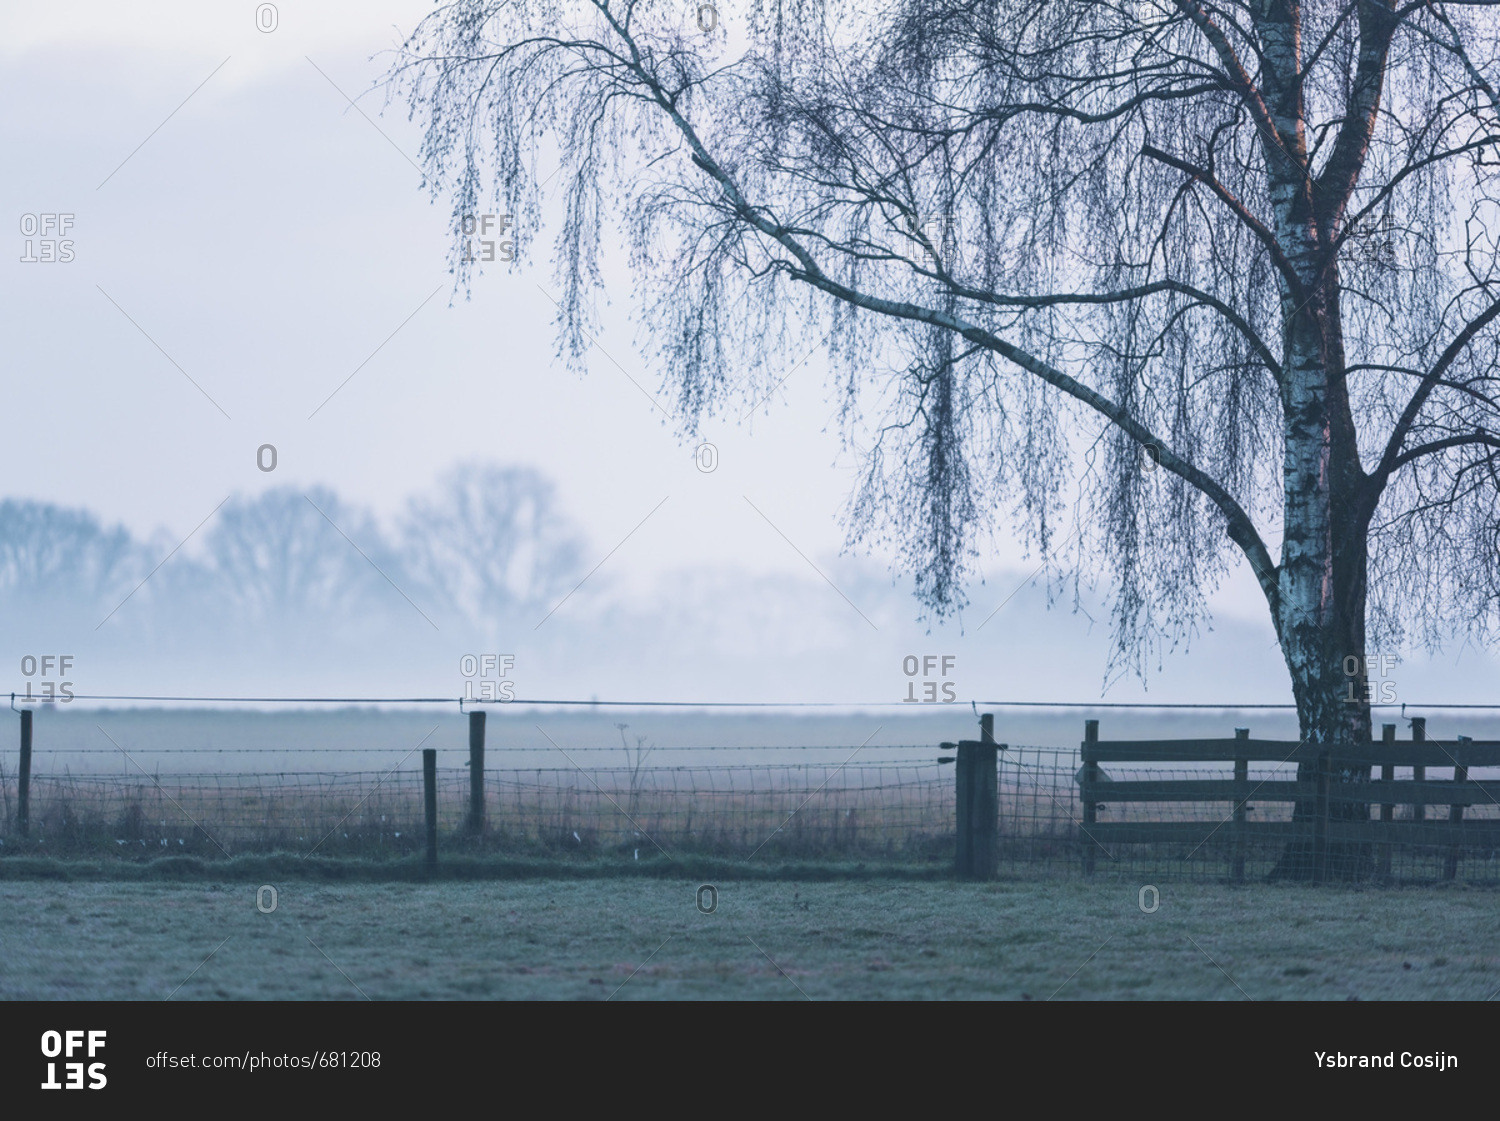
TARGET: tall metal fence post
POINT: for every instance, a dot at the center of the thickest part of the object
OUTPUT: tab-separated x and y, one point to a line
429	799
476	773
1241	785
23	790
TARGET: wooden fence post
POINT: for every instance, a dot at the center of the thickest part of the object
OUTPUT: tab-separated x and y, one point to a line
1419	774
1320	822
1241	780
963	781
476	773
1090	808
986	799
976	795
1388	809
1456	813
429	799
23	789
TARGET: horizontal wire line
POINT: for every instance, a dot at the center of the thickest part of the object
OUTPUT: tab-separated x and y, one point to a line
312	750
924	706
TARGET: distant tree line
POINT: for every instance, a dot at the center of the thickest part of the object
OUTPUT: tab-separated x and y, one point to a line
486	544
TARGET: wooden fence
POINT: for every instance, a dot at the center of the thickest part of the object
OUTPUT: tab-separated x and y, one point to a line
1332	815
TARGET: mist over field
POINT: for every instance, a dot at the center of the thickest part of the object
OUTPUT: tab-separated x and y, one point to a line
439	485
280	597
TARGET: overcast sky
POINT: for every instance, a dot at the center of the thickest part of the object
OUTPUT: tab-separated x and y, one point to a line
249	249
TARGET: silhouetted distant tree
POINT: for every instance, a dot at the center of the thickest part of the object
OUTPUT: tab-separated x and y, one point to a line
52	556
299	558
490	541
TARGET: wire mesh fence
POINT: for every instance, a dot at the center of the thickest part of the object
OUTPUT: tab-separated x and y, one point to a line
812	810
901	811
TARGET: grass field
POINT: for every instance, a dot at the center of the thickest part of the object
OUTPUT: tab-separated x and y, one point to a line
637	939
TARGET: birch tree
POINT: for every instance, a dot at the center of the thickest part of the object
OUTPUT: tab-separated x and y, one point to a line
1222	273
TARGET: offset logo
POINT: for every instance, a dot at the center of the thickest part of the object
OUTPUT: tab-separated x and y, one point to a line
44	672
492	673
52	244
928	665
66	1045
489	249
